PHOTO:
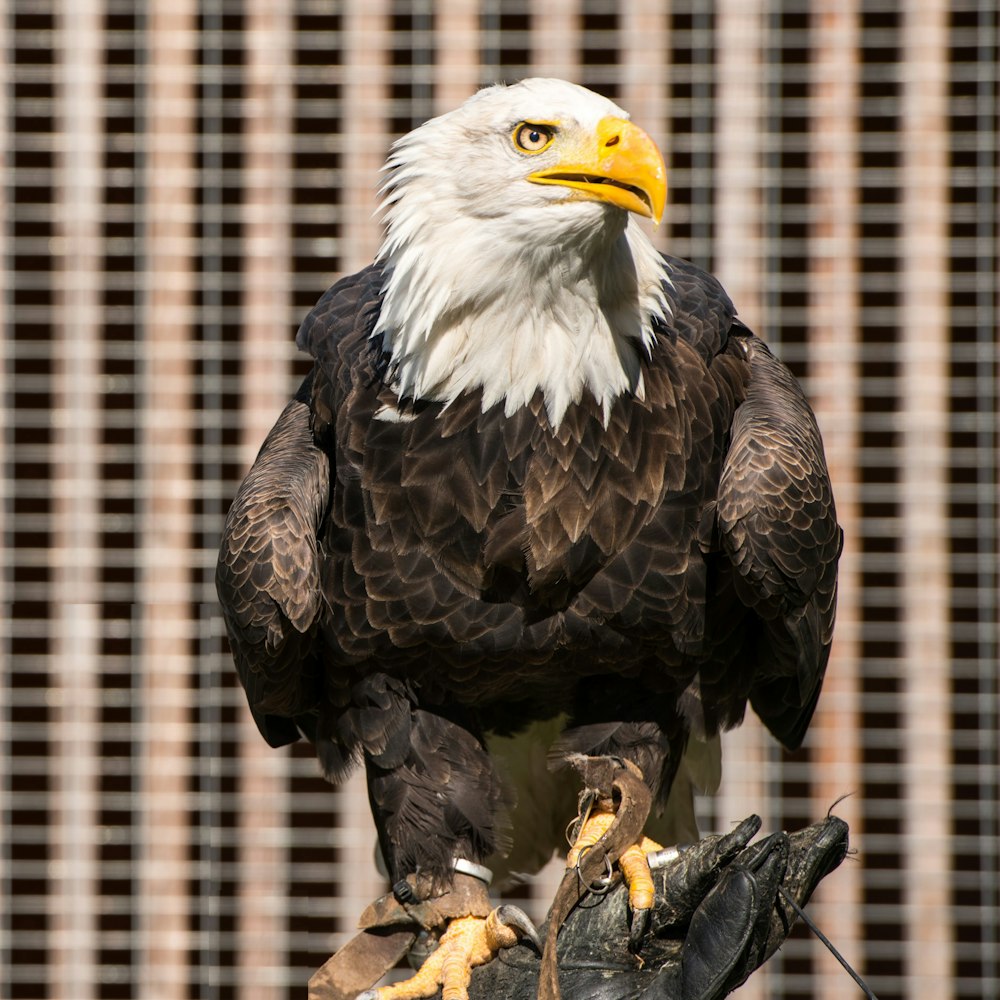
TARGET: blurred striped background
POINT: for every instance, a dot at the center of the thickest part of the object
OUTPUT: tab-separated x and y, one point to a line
183	179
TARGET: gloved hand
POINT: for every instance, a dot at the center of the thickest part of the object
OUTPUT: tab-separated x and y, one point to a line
718	916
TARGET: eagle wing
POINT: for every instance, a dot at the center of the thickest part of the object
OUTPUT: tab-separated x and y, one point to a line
778	526
268	574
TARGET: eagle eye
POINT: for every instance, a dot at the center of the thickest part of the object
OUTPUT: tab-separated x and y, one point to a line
532	138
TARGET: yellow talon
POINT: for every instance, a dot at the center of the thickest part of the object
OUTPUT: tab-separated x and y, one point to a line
635	871
468	942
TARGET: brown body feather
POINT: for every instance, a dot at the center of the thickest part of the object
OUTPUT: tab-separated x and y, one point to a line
401	577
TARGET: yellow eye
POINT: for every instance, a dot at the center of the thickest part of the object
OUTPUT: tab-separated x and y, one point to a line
530	138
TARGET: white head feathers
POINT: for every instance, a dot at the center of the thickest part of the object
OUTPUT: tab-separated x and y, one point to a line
497	282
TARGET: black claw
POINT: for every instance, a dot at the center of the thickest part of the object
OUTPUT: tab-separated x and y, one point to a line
637	929
515	918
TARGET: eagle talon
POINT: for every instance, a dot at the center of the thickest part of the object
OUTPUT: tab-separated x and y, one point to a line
639	925
467	942
517	920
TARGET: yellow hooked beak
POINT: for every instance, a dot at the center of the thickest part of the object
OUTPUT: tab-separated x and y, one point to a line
620	165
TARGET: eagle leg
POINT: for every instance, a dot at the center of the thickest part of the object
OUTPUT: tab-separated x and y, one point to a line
467	943
435	795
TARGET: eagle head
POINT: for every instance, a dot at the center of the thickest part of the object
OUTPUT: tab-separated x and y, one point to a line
513	261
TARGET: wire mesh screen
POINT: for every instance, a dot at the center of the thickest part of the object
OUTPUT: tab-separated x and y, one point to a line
183	179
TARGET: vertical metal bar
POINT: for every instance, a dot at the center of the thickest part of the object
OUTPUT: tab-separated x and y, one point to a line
366	93
740	109
738	263
6	509
702	134
214	834
556	38
456	68
491	44
76	511
645	73
834	319
262	811
988	557
366	79
923	485
166	640
422	71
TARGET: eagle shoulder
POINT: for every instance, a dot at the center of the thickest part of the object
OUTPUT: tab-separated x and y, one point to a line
346	311
702	313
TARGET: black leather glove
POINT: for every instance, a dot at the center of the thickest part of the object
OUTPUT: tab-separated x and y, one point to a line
718	915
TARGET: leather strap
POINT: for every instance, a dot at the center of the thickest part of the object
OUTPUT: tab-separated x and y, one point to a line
389	928
360	963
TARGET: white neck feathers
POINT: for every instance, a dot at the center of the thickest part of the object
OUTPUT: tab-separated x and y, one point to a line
481	303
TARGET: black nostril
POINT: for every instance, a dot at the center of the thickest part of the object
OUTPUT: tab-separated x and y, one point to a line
613	141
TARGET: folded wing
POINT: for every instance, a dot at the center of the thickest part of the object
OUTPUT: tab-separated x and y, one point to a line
268	574
778	525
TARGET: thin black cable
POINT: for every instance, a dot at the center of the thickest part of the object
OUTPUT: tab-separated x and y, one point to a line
829	944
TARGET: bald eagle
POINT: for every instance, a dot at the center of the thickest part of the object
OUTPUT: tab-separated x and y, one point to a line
539	474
